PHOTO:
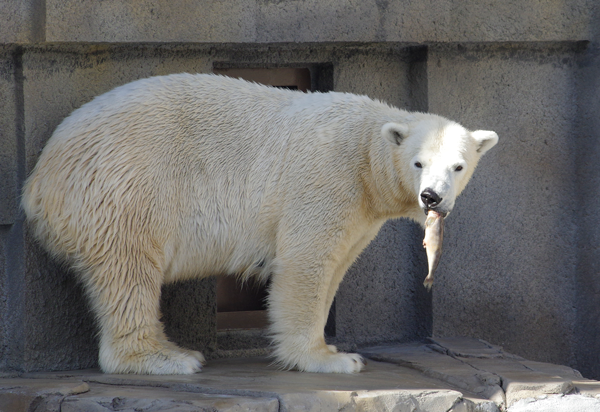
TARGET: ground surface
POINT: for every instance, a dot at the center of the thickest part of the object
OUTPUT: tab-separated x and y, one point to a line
446	375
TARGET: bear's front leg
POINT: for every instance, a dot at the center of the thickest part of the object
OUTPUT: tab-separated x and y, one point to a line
299	301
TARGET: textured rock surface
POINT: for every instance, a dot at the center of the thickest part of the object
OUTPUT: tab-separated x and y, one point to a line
521	249
314	20
570	403
458	375
485	370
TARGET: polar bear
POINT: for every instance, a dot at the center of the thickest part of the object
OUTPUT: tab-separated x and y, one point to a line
183	176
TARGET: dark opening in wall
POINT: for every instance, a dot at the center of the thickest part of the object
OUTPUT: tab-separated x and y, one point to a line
287	77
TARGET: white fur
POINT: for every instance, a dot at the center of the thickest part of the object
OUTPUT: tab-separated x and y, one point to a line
187	176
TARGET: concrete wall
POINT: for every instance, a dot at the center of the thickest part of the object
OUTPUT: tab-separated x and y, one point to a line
520	267
587	153
510	278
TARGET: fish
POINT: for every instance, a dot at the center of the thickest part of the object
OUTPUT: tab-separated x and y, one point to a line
434	236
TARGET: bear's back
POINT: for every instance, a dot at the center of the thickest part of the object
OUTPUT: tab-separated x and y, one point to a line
186	150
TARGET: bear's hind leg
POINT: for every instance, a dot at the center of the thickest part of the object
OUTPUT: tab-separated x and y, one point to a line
126	298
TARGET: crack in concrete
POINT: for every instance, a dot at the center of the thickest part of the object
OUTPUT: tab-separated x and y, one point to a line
496	386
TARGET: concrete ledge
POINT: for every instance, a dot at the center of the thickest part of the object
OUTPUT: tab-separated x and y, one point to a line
448	375
315	21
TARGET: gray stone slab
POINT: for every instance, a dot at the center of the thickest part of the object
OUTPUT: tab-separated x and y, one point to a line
510	246
71	395
469	348
316	21
587	387
435	364
570	403
164	21
127	399
587	282
22	21
407	400
258	376
41	395
520	382
9	134
519	378
381	386
414	377
553	369
486	370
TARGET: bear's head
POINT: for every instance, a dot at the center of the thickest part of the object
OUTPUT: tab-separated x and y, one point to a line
436	157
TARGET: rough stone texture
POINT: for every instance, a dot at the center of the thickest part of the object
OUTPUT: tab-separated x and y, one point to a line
12	172
142	399
415	400
70	395
480	368
189	312
39	395
242	340
441	376
438	365
9	96
525	234
48	296
22	21
249	383
257	21
571	403
10	250
587	142
395	262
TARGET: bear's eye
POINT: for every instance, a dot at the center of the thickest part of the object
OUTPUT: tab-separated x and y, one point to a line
458	168
418	165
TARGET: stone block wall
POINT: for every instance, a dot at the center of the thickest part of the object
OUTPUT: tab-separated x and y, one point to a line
520	267
521	279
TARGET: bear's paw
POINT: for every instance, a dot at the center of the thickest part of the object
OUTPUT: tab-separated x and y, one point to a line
323	361
166	360
339	362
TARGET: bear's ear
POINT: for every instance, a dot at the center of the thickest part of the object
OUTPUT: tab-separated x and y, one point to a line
394	132
485	140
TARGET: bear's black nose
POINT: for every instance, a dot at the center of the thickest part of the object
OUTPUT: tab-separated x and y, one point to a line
430	199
